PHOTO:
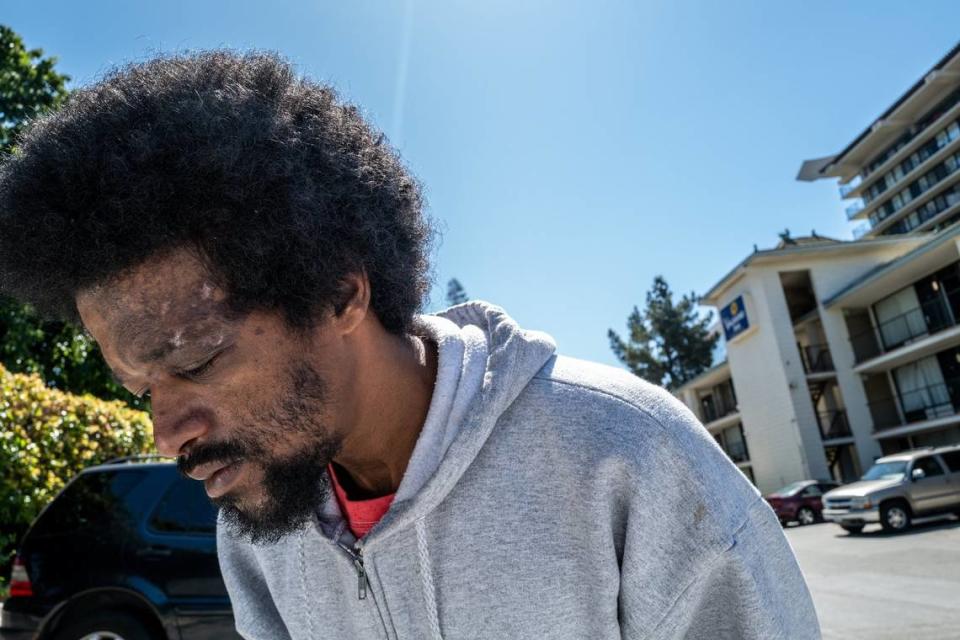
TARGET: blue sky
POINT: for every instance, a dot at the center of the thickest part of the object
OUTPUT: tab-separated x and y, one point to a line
570	151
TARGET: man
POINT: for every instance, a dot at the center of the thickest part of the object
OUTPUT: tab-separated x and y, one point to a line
252	255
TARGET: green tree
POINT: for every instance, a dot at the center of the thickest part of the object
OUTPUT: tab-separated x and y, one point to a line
668	343
60	353
29	85
456	294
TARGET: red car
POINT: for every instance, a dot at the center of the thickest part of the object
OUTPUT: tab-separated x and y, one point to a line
800	501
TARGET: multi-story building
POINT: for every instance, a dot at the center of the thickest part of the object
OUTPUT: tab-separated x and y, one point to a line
902	173
840	351
713	399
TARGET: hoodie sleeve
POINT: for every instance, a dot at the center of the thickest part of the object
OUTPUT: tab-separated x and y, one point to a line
255	615
752	590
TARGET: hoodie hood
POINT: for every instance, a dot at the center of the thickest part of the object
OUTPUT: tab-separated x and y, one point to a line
484	362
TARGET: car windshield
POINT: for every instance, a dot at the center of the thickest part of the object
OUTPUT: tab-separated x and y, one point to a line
886	471
791	489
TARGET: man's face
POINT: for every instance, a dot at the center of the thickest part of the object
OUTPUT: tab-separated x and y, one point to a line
240	401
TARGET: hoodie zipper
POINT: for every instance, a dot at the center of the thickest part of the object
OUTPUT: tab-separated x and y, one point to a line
361	574
356	554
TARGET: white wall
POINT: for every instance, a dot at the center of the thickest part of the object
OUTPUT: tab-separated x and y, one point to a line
779	419
761	381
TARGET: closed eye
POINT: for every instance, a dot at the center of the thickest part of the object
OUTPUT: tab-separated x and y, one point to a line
201	370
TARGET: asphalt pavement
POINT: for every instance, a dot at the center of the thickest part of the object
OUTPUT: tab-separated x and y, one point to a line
877	585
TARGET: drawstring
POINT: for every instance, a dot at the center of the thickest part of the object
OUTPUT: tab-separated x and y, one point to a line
426	581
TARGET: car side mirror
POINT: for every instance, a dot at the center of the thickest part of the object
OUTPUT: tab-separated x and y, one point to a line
918	474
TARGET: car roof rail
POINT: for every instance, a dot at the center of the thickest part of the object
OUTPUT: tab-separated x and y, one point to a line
906	451
137	458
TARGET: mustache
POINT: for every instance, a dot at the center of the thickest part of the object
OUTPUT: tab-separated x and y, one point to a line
227	451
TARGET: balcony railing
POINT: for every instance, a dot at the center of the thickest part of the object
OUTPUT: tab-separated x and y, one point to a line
833	424
912	192
926	212
923	403
928	318
850	186
916	323
884	413
717	409
816	358
854	209
926	403
737	451
919	128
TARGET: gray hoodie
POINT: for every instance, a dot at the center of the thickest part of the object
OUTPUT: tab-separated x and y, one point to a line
546	497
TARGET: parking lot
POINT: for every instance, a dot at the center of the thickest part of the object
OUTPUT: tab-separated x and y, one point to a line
877	585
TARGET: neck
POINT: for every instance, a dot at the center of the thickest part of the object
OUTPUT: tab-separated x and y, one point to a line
397	381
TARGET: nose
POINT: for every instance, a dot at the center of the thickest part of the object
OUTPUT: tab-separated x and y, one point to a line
175	423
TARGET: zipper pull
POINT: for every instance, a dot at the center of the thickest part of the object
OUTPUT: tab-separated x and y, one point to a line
361	576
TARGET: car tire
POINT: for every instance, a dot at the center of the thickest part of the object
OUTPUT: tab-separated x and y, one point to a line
805	516
852	529
895	517
106	625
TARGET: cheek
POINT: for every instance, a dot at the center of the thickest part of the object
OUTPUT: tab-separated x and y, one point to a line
255	418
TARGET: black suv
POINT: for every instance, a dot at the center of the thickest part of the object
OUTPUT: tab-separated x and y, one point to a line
126	551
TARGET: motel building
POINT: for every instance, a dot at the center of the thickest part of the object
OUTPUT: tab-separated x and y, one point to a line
840	351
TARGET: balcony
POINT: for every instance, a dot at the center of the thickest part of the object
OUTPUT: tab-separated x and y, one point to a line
937	208
861	230
884	413
737	451
816	359
833	424
943	113
938	174
846	189
930	317
919	405
718	403
721	410
854	209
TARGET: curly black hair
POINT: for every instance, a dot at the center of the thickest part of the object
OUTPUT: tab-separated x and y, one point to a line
280	187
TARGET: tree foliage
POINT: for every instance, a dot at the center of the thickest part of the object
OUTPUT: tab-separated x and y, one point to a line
60	353
668	342
456	294
29	85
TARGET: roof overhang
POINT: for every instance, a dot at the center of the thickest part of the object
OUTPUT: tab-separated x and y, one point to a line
801	252
910	107
937	251
811	170
709	378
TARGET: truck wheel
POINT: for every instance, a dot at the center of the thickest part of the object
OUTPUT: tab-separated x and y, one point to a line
852	529
806	516
894	517
106	625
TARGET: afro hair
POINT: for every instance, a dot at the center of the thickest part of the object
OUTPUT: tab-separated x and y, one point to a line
276	183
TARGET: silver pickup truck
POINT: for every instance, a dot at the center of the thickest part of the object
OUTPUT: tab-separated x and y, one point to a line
898	488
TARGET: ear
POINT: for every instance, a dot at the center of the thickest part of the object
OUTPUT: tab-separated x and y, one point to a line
355	303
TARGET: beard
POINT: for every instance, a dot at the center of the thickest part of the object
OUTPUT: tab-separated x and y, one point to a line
294	485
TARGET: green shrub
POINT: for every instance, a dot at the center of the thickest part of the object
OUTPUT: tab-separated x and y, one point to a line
47	437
